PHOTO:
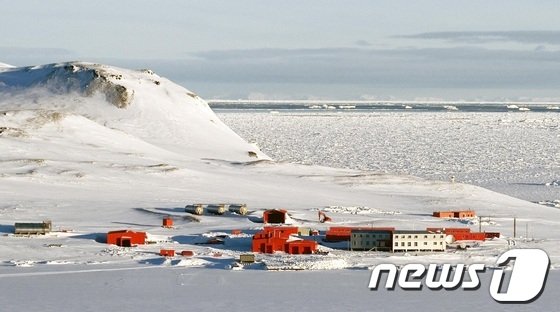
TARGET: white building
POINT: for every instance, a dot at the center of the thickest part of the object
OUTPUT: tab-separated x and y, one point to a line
417	241
378	240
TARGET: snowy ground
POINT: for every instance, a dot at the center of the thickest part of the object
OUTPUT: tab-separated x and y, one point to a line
95	148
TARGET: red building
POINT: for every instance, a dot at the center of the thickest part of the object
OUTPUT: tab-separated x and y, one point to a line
126	238
268	242
464	214
167	252
300	247
443	214
460	234
167	222
343	233
455	214
187	253
490	235
285	231
273	239
275	216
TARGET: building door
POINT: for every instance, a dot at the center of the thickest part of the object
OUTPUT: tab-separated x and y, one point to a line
124	242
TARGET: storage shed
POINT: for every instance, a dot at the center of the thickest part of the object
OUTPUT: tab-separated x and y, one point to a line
275	216
464	214
167	252
167	222
126	238
30	228
300	247
443	214
247	258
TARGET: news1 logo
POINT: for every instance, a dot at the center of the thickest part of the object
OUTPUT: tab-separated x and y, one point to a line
526	282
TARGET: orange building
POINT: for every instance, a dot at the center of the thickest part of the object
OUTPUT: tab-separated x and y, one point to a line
167	222
443	214
455	214
167	252
273	239
126	238
460	234
464	214
300	247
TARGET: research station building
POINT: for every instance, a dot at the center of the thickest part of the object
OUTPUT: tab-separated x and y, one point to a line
417	241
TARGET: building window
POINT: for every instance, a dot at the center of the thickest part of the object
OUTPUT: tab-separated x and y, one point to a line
415	243
425	243
402	244
435	243
397	244
409	236
409	244
415	236
425	236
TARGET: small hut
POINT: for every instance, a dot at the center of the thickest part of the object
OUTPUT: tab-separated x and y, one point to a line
167	222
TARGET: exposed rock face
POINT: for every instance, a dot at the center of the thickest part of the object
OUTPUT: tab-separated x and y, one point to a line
115	93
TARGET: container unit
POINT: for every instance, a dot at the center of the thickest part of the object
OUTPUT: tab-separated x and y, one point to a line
247	258
30	228
167	222
167	252
443	214
240	209
197	209
218	209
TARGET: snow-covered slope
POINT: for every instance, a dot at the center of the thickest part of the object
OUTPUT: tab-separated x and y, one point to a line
97	107
4	65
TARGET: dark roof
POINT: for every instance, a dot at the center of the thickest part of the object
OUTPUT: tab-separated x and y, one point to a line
411	232
373	231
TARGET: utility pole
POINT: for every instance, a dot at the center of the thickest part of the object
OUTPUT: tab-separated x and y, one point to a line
479	224
514	227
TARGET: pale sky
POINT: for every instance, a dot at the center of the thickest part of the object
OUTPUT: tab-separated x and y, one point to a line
406	50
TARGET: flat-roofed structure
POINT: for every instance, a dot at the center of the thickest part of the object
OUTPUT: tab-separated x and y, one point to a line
410	240
378	240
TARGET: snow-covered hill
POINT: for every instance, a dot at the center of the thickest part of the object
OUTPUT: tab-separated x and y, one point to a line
96	107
